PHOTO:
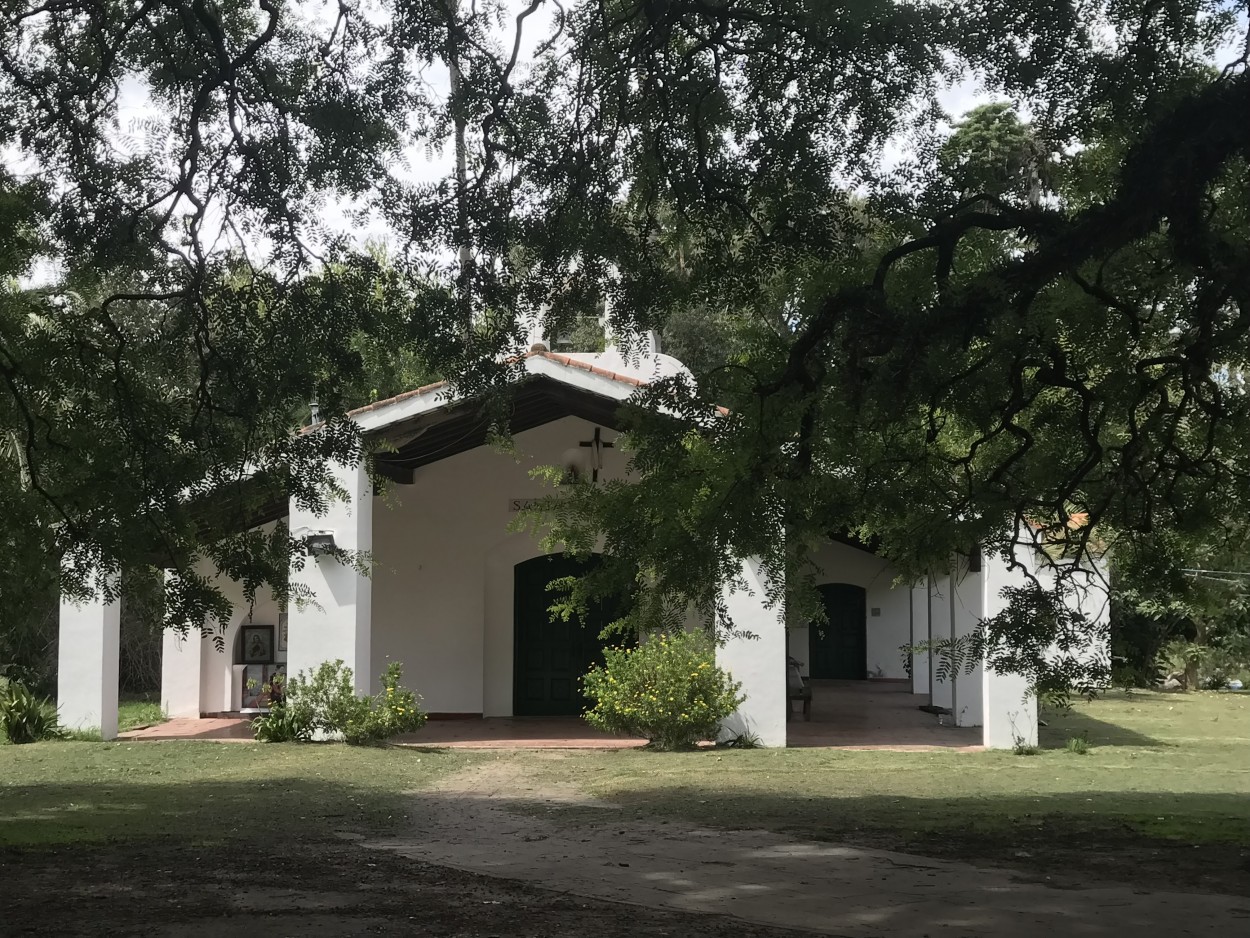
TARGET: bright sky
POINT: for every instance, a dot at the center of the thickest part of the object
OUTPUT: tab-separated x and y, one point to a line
137	117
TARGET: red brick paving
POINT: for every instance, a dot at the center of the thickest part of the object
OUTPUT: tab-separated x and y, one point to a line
217	729
845	715
875	715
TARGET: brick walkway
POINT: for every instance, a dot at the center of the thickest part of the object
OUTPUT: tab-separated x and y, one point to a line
875	715
218	729
499	733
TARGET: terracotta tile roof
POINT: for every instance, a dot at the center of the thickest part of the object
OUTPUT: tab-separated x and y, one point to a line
556	357
415	392
1075	522
587	366
614	375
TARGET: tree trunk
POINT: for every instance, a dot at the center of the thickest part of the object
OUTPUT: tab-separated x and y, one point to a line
464	299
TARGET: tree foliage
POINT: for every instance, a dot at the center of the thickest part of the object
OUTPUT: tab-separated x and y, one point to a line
1183	603
938	338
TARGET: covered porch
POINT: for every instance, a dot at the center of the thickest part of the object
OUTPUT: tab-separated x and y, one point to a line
874	715
845	715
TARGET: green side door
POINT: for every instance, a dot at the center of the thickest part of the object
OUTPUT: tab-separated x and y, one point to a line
551	655
838	649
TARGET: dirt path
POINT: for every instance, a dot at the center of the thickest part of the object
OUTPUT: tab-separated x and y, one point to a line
306	889
496	819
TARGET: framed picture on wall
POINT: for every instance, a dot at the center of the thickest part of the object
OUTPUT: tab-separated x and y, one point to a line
282	631
257	644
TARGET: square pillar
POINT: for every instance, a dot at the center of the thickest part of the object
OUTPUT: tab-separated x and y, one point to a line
1010	711
87	662
940	611
967	608
1009	706
920	666
338	624
181	656
1089	595
758	662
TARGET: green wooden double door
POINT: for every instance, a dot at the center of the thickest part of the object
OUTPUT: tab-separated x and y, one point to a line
550	655
838	649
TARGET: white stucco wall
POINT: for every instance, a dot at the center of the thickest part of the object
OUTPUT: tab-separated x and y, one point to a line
967	610
1009	708
920	666
339	625
198	678
888	630
1088	595
941	691
758	662
217	690
443	571
181	664
88	652
441	592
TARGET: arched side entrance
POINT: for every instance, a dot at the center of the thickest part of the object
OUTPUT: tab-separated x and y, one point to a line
838	649
551	655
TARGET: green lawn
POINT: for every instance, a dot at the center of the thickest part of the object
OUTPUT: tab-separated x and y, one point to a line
138	711
197	792
1160	798
1160	766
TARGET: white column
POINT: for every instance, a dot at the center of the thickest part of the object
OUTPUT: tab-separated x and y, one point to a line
181	656
759	663
1009	706
87	660
339	625
920	633
967	607
1089	595
939	628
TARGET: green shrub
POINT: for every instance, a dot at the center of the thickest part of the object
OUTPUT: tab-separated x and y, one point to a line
326	701
327	697
667	690
393	710
1078	745
743	740
287	721
1023	747
283	724
26	717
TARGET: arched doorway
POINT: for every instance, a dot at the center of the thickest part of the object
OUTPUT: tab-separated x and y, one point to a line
838	649
551	655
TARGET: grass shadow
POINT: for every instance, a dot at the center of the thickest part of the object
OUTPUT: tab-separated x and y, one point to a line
289	794
1164	840
1064	725
62	792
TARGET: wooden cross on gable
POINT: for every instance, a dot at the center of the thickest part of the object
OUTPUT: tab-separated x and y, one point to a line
597	445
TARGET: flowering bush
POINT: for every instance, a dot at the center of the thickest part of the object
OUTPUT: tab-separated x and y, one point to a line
327	701
392	711
668	690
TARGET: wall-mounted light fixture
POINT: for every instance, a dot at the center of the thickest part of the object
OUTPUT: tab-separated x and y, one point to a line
319	543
